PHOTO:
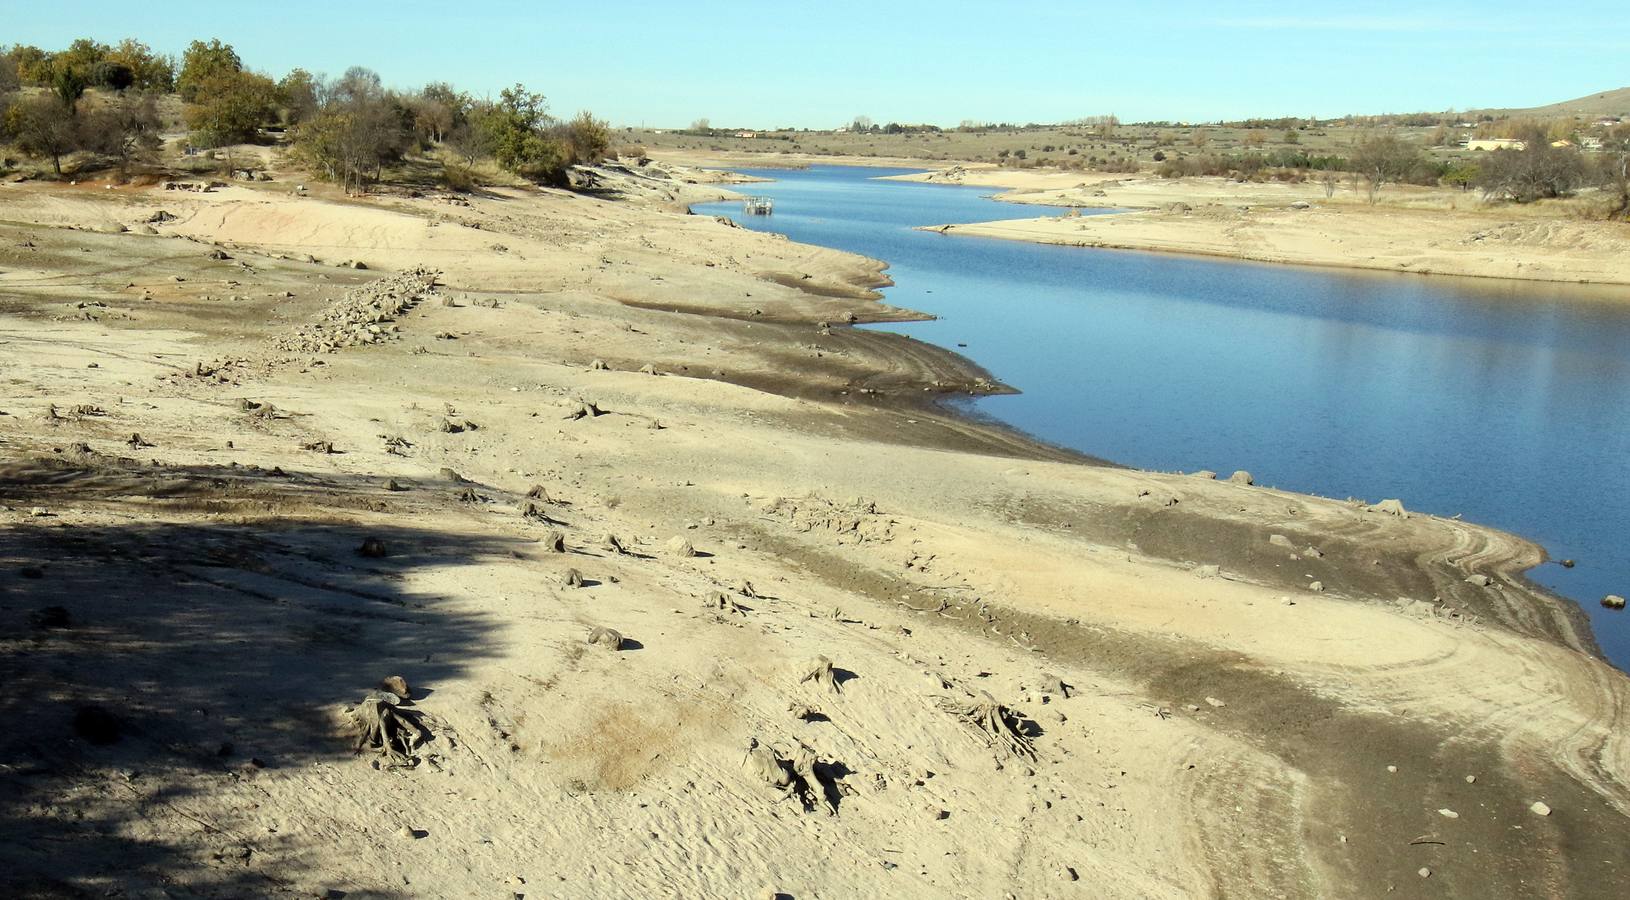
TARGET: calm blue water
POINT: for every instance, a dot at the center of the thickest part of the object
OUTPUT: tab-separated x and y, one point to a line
1506	402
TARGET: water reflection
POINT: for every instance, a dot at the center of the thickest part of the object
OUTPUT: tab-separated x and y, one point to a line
1502	401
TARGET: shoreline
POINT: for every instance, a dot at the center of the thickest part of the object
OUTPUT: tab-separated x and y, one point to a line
1187	683
1002	229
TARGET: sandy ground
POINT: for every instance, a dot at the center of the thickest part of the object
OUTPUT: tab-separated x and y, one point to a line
1410	230
1174	710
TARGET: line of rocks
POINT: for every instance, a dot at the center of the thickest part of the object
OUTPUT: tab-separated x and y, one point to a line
365	315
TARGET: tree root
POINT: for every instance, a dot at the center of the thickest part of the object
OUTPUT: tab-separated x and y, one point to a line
798	777
1002	729
382	724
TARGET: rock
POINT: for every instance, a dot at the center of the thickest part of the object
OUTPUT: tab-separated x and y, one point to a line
1479	580
1613	601
1448	814
609	638
1424	872
1241	477
1301	204
1208	571
1540	809
1279	540
679	546
397	685
1392	769
1471	779
1316	587
1205	473
1215	703
1391	508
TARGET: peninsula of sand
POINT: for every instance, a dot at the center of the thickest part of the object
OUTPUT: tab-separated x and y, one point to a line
534	544
1426	231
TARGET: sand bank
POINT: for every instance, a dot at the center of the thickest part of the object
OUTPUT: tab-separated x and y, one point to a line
1202	720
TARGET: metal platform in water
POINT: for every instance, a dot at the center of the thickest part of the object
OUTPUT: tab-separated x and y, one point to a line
758	206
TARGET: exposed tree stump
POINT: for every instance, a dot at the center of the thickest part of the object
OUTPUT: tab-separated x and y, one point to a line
613	544
585	410
719	601
539	493
819	670
384	726
554	541
609	638
372	548
995	723
599	365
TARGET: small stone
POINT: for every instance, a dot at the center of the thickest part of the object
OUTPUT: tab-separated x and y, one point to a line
1613	601
1479	580
1540	809
1241	477
1279	540
1471	779
1448	814
39	511
1316	587
397	685
1392	769
1215	702
1424	872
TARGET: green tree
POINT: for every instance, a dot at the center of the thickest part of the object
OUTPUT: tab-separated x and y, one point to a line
82	56
297	95
151	71
9	81
202	64
512	133
33	64
588	138
1463	174
232	106
42	125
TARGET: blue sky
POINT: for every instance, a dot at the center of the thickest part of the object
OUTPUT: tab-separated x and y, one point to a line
819	64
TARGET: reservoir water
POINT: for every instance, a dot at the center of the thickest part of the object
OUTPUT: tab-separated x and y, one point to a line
1506	402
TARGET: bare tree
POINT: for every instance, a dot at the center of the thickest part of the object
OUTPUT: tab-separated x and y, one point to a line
1384	160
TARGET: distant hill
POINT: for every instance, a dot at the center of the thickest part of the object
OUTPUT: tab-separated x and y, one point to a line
1607	103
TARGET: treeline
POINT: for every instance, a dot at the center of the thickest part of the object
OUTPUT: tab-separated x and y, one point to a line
104	100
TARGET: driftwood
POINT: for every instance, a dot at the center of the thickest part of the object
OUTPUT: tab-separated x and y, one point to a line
999	726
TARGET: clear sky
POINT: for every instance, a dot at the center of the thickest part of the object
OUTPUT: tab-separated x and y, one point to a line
820	64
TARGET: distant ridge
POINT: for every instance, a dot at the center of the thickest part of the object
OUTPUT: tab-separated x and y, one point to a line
1607	103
